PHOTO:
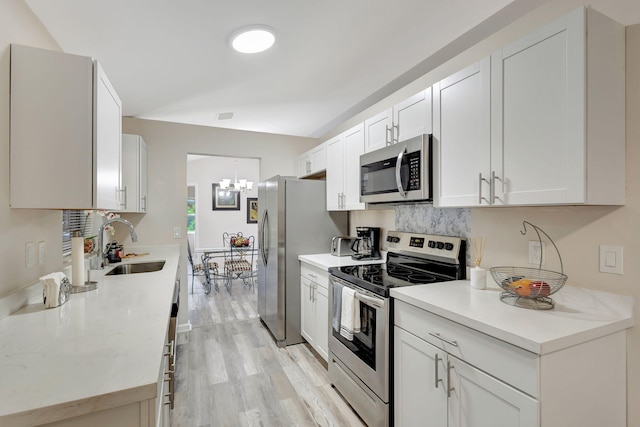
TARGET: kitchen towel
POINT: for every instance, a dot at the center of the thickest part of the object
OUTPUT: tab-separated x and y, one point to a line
347	318
337	305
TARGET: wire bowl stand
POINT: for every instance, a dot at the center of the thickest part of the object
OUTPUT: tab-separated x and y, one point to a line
528	287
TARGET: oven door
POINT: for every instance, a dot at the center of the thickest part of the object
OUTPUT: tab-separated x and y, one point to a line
367	354
400	172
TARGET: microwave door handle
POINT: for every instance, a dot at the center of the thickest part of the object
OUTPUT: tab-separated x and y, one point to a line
403	194
379	303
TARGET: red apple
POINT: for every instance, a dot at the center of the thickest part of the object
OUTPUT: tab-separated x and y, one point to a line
540	288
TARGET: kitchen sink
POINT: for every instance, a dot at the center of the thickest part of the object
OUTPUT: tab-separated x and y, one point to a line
136	267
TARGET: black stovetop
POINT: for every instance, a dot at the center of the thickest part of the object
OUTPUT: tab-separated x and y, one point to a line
399	270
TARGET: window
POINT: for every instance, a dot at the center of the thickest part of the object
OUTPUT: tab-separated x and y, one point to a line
72	221
191	209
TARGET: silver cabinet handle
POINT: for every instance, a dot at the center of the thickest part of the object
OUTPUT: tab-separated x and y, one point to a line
493	187
144	203
388	136
450	388
403	194
396	133
379	303
437	359
440	337
480	181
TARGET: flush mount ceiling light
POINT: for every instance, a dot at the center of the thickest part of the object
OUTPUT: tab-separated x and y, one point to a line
253	39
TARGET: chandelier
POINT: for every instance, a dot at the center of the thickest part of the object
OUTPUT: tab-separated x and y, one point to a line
238	184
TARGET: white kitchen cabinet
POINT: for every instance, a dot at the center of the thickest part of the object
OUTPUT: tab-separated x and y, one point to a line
134	174
556	121
66	121
312	162
458	376
315	308
409	118
462	136
343	170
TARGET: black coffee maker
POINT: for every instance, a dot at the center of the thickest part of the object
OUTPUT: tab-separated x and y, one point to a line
367	245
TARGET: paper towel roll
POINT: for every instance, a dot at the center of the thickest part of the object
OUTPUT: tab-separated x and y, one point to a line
478	278
77	261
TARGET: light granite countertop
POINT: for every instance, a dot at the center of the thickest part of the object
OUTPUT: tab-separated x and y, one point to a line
99	350
579	315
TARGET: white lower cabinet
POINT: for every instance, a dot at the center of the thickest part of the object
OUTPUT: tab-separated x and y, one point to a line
314	307
433	385
448	375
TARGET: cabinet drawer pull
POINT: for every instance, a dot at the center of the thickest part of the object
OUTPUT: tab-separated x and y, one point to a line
388	136
493	187
440	337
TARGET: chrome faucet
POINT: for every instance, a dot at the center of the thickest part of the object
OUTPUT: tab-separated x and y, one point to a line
101	255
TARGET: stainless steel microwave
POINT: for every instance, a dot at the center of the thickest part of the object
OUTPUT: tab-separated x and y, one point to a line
401	172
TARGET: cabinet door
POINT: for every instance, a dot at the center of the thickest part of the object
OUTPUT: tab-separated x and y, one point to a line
412	117
304	165
318	158
538	137
307	317
378	131
107	139
335	173
130	173
419	383
478	399
353	149
322	321
462	135
144	186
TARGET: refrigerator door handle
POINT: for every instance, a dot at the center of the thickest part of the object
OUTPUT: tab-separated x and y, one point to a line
264	245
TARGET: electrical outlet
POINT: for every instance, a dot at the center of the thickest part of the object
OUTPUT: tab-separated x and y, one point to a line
536	252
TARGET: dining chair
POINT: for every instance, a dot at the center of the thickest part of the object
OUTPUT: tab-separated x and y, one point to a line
198	269
239	259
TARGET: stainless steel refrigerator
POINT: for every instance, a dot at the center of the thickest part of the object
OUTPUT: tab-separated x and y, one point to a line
292	220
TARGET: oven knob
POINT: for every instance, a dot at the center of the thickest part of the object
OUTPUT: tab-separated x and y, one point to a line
395	239
431	244
439	245
448	246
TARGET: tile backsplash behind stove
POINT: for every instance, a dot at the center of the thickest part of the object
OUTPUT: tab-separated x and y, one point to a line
424	218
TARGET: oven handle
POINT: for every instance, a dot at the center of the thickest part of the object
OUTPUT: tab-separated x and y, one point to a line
398	178
379	303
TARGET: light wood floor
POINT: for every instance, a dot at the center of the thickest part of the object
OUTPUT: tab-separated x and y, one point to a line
231	373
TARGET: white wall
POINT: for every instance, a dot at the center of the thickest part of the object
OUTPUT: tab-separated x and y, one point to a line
210	224
19	226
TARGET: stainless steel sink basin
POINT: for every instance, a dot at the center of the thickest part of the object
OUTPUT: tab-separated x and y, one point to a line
137	267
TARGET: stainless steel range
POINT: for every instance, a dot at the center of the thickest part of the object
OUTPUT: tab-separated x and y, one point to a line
360	307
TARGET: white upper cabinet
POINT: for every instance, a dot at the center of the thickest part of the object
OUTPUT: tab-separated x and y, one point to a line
556	121
409	118
65	132
313	161
462	136
343	170
134	173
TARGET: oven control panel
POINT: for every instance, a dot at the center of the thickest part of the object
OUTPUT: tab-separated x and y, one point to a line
424	245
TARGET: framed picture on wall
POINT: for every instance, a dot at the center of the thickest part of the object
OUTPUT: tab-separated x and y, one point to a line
225	200
252	210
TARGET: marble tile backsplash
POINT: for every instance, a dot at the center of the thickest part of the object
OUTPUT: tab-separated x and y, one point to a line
424	218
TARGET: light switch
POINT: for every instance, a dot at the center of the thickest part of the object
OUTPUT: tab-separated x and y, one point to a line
42	253
177	233
611	259
30	255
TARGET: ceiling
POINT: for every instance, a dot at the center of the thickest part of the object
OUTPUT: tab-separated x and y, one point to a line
170	60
